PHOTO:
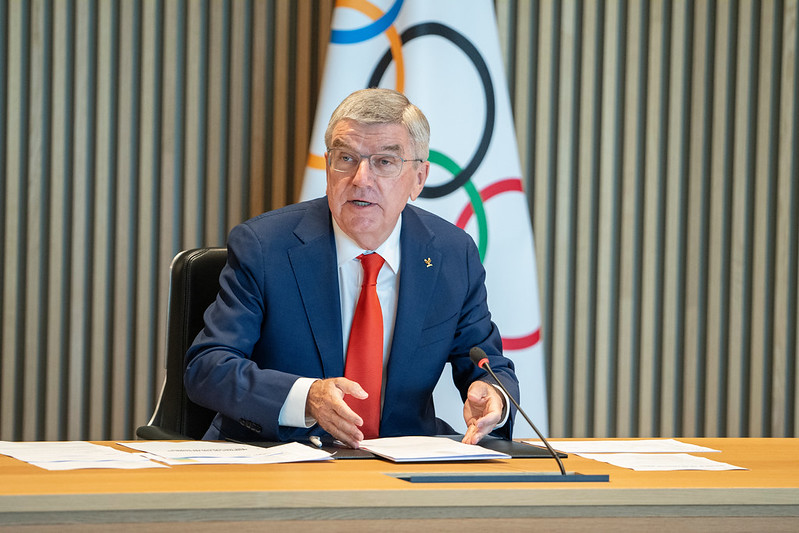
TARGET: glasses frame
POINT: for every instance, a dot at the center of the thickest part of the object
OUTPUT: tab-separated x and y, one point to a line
369	157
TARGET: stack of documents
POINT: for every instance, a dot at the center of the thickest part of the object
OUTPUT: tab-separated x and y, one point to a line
644	455
207	452
74	455
424	449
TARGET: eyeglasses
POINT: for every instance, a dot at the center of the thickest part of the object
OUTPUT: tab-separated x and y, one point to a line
382	165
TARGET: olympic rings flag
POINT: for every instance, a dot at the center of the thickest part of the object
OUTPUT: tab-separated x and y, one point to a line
445	56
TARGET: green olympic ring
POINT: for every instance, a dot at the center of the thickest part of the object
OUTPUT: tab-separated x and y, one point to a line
474	198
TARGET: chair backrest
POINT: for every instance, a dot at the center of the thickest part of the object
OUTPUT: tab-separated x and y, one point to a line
193	286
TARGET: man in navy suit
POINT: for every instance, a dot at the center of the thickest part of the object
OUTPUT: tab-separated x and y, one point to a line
271	357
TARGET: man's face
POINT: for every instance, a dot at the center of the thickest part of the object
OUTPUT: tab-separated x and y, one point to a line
365	206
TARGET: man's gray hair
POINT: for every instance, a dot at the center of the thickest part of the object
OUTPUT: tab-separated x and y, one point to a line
384	106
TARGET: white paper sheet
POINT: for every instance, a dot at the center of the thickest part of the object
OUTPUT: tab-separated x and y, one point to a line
74	455
624	446
207	452
125	464
424	449
659	461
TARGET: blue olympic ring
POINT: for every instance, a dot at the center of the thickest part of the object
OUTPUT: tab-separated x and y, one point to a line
367	32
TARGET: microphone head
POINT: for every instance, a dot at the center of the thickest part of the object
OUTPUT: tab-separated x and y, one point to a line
478	356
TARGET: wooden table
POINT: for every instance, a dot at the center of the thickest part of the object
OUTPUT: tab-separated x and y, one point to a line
364	490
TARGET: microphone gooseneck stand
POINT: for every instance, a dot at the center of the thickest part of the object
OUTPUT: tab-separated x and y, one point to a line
478	356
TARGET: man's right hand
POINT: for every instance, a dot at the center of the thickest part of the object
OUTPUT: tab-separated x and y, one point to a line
326	404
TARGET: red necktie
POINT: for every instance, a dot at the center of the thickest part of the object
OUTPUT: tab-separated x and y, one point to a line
365	349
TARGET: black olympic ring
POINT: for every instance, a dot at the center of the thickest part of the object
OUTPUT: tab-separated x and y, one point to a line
434	28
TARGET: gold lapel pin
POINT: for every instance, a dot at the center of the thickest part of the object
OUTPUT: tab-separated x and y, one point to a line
428	262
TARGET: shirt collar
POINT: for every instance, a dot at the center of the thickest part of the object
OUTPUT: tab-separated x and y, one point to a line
347	249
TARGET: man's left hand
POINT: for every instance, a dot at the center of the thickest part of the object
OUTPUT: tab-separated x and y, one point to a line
482	411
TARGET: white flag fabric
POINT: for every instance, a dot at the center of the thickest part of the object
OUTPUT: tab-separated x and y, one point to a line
445	56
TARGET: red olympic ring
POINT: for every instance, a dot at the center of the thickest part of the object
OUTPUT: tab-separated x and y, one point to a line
494	189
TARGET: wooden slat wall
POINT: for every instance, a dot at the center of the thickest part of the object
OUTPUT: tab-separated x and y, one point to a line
660	145
130	130
659	141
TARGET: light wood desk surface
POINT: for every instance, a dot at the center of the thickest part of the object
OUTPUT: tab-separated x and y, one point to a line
362	489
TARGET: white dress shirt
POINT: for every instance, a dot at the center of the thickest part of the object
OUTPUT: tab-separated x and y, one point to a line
350	279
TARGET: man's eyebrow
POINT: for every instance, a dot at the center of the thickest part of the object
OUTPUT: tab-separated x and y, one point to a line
391	148
338	143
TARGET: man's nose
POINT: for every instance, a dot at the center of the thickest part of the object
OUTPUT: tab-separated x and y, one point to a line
363	173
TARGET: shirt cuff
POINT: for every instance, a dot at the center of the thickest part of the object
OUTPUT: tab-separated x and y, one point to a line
292	414
506	409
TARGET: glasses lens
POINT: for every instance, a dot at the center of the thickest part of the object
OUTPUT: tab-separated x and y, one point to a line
383	165
386	165
343	161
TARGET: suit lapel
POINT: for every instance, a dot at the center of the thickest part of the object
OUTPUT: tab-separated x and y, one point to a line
417	281
315	269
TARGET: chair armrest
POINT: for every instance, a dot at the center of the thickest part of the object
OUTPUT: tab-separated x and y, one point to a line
159	433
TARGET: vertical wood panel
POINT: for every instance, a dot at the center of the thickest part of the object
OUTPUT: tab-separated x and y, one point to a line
64	335
639	46
6	385
201	88
555	146
236	180
724	184
282	99
263	14
767	187
540	128
24	366
43	212
789	232
154	283
112	395
704	92
137	368
585	383
226	107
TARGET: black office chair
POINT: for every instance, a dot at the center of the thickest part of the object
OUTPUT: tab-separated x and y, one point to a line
193	285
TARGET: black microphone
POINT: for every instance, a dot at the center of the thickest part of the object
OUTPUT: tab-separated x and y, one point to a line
479	357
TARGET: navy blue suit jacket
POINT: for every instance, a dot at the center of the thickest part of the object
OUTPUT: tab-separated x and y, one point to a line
277	317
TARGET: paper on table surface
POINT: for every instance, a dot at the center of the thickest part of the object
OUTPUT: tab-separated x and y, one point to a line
659	461
208	452
407	449
74	455
117	464
624	446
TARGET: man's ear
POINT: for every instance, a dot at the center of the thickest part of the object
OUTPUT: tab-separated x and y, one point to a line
419	179
327	174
